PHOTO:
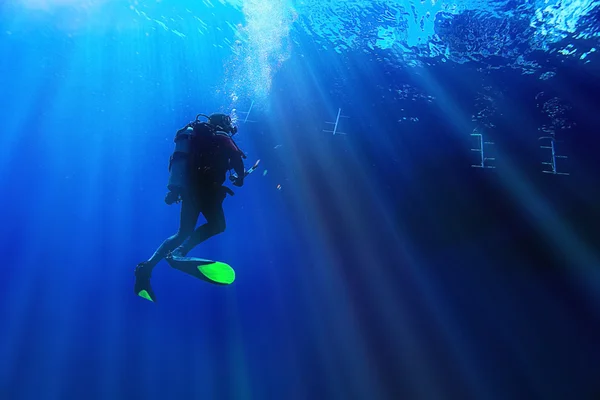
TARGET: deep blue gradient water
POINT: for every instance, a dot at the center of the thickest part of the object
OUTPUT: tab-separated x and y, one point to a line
374	264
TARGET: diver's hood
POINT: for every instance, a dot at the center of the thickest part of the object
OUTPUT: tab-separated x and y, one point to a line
222	122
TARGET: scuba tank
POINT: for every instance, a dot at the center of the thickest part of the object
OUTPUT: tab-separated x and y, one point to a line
179	162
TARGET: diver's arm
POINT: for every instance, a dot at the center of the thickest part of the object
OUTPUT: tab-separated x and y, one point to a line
236	158
237	164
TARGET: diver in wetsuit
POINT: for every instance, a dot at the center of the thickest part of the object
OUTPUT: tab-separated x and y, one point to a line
204	152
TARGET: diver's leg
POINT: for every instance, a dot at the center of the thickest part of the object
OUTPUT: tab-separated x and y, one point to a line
190	211
215	224
187	221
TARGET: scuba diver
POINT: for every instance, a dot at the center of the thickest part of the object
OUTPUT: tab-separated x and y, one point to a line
204	153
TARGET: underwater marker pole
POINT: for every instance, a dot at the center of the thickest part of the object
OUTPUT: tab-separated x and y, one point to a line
253	168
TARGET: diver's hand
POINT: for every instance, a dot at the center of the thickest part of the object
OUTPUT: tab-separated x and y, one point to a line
239	182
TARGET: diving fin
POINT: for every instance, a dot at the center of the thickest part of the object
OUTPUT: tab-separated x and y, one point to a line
144	293
215	272
142	286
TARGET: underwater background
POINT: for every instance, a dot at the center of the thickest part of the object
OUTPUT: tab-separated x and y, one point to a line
374	258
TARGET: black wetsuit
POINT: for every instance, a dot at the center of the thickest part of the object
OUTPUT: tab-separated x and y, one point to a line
211	157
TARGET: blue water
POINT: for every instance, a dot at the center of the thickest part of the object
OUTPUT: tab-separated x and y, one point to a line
378	262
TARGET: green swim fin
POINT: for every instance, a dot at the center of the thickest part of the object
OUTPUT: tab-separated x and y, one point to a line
215	272
144	294
142	286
